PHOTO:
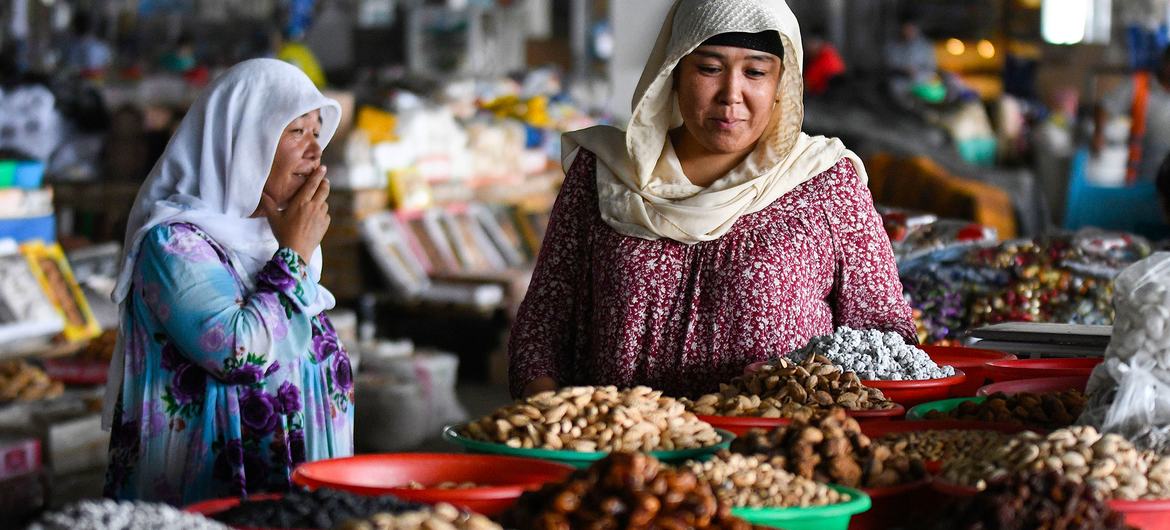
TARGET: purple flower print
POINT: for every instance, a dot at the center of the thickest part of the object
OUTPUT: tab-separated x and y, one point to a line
276	277
172	360
258	411
184	243
342	373
272	368
188	384
154	421
213	339
296	446
290	398
324	346
245	375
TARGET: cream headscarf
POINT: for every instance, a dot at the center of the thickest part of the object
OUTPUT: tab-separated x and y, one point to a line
213	173
641	188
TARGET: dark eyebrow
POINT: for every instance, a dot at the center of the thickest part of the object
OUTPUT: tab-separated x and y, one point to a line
766	57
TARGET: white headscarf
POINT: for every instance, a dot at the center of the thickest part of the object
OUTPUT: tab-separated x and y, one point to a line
641	188
213	172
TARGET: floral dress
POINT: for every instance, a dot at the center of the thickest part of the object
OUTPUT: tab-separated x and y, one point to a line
227	388
608	309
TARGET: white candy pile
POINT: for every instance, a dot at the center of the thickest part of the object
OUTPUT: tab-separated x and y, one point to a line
1142	326
874	355
125	515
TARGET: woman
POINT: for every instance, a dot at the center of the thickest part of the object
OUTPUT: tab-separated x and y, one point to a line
227	373
712	233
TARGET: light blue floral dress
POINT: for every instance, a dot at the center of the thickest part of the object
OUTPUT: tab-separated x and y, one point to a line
226	389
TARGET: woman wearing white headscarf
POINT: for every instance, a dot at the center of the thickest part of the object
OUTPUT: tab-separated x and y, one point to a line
710	234
227	373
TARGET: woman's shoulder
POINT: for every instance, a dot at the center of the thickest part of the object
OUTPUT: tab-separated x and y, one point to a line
182	239
840	182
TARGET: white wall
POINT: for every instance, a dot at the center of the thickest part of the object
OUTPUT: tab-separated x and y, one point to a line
635	26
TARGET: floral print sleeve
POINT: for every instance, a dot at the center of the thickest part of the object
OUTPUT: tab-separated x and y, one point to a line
229	384
867	293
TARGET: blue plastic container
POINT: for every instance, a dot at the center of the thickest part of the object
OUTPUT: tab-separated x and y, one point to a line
29	228
1132	208
29	174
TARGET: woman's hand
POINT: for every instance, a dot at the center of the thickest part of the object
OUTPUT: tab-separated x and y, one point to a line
538	385
301	225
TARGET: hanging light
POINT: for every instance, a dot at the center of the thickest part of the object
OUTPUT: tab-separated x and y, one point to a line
986	49
956	47
1064	21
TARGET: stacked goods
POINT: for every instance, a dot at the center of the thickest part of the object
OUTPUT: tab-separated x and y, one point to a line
438	517
322	508
101	348
1049	410
1106	462
873	355
787	389
123	515
831	449
1036	499
624	490
939	445
589	419
22	381
750	481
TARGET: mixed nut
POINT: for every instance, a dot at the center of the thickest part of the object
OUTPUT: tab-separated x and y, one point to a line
939	445
1050	410
831	449
1036	500
750	481
22	381
1107	462
449	485
441	516
785	388
587	418
624	490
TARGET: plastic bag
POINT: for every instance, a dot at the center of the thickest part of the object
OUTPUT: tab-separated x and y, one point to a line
405	400
1129	393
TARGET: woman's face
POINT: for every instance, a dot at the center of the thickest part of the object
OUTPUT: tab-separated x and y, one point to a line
726	95
297	156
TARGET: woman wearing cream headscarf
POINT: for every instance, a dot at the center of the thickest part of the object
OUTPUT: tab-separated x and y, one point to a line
710	234
227	373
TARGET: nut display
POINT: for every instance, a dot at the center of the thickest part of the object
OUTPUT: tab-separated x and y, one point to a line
624	490
873	355
939	445
322	508
749	481
1036	500
831	449
1050	410
441	516
101	348
589	419
1107	462
122	515
22	381
785	389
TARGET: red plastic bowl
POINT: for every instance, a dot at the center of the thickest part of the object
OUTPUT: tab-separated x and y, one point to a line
1011	370
740	425
211	507
893	506
504	478
868	415
910	393
1146	515
73	371
1038	385
970	360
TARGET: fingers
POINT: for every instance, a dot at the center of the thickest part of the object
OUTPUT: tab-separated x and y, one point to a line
309	188
322	188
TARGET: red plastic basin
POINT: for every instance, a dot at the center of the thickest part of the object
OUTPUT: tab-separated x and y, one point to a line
893	506
1011	370
1037	385
503	478
910	393
211	507
1145	515
970	360
739	426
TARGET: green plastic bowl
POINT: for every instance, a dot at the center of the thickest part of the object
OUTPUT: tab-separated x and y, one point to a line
578	459
831	517
943	405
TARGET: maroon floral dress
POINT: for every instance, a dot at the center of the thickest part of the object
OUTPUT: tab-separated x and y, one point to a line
608	309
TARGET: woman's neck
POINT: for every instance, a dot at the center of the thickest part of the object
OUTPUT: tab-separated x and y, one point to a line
701	166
